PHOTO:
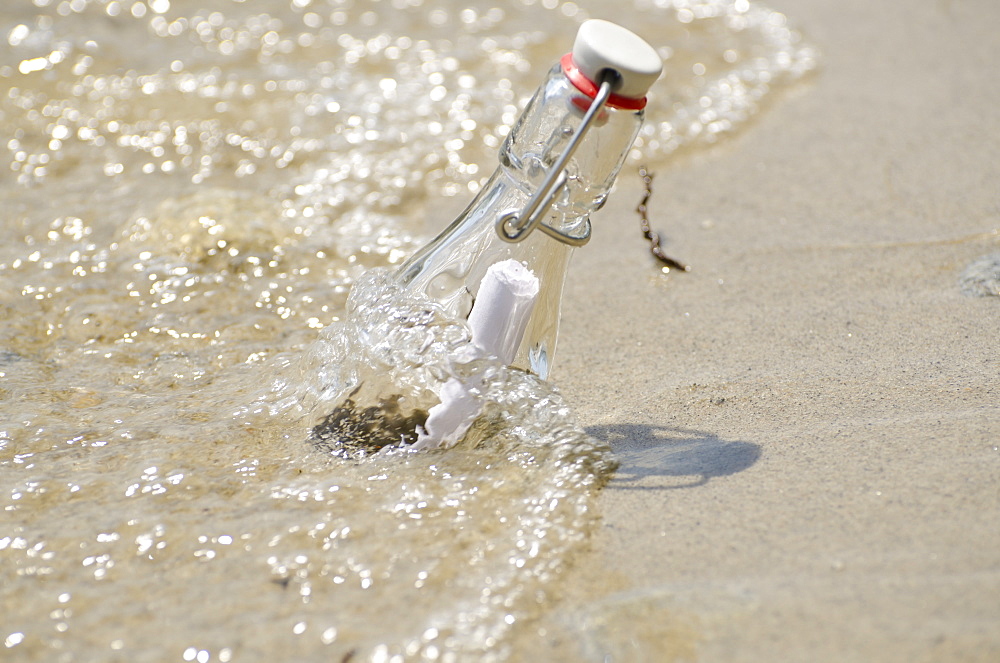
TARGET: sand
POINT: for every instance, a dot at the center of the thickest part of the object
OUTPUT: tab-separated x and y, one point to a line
807	421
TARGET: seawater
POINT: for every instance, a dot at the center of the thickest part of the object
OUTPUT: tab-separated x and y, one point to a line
191	190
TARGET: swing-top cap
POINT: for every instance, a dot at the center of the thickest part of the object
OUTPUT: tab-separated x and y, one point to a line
602	45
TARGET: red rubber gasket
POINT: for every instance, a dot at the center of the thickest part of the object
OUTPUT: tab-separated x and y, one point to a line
589	88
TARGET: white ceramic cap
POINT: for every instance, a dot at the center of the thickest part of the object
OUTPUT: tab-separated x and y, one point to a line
604	45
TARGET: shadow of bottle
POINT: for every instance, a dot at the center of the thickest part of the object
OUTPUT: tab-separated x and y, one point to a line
648	451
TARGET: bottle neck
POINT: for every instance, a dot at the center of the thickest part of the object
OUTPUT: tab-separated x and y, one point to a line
551	121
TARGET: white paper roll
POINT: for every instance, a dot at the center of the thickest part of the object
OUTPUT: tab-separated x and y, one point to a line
498	319
500	315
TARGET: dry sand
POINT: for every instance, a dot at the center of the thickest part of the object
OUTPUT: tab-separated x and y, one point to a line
808	421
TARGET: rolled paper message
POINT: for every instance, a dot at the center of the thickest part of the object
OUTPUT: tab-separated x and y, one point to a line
500	315
498	319
448	421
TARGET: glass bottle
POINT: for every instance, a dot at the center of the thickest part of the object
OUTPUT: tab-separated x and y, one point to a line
557	160
557	166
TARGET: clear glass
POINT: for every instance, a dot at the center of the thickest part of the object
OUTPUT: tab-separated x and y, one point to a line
450	268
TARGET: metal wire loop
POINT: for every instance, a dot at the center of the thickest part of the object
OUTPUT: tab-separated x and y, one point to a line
515	226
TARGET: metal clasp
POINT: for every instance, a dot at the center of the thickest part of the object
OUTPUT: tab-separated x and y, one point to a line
515	226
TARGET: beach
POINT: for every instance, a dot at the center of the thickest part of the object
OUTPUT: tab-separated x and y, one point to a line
805	424
807	421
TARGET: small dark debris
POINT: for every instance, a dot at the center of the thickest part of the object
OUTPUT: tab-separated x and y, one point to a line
653	237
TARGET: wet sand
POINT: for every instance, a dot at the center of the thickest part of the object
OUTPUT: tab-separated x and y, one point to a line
808	422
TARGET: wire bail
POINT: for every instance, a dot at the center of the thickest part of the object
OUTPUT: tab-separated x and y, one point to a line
514	226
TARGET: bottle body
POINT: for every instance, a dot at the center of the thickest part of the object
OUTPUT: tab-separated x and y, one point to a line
450	268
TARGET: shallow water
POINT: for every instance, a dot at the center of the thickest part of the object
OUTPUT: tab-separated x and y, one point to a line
192	190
